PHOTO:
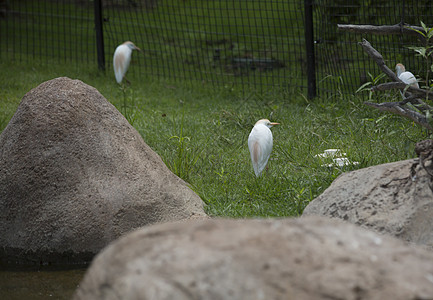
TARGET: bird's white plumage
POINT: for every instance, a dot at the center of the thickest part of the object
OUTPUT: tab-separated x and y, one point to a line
406	76
260	142
122	59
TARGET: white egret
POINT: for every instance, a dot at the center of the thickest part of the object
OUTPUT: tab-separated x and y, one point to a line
122	58
260	143
406	76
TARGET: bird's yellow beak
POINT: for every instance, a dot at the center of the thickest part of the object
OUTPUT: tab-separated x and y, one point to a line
273	123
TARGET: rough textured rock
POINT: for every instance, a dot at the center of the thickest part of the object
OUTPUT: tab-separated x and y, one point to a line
75	175
394	198
306	258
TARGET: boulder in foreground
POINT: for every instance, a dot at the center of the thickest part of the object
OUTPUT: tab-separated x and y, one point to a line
75	175
394	198
305	258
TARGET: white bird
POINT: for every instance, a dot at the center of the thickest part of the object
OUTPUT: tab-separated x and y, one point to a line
122	58
406	76
260	143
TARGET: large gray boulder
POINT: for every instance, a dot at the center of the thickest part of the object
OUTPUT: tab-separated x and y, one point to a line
75	175
394	198
306	258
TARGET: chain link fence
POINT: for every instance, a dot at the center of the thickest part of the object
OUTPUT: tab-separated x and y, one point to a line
224	42
342	62
257	44
47	31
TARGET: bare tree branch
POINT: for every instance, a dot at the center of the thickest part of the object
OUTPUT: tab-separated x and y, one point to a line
378	58
401	86
413	99
382	30
401	108
396	108
388	86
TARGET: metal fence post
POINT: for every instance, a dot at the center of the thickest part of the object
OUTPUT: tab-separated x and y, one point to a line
309	45
99	35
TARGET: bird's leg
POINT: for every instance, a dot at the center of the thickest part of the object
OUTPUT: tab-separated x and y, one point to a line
123	88
127	81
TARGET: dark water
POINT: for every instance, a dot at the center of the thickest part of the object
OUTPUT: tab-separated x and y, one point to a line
39	282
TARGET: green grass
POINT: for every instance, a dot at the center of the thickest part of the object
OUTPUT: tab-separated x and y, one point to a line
201	131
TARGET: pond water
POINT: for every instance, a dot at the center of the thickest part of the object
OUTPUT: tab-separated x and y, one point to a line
39	282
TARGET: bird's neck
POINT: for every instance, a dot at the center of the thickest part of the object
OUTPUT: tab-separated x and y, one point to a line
399	71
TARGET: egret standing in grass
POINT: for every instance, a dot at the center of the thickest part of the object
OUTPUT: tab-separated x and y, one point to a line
260	144
406	76
122	58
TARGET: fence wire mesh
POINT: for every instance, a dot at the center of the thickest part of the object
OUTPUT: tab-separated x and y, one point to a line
46	31
341	60
256	44
241	42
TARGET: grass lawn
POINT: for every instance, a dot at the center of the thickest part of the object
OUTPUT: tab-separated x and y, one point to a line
201	133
